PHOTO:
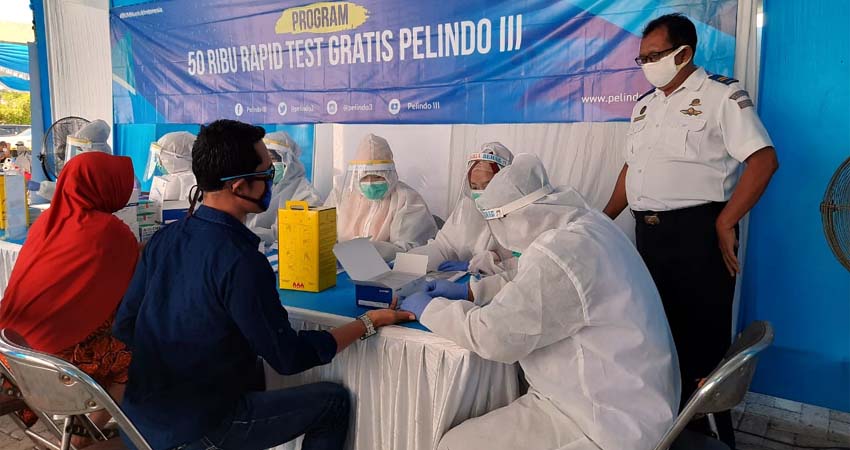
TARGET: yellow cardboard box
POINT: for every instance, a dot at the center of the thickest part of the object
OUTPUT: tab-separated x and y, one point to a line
306	238
3	201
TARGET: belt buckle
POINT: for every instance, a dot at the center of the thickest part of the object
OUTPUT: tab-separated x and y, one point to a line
651	219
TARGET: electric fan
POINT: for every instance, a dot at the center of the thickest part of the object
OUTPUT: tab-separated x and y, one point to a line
835	211
53	145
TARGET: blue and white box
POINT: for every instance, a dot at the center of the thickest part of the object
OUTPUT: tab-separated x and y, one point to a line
375	284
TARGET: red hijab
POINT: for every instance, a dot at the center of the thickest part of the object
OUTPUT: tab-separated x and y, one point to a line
78	258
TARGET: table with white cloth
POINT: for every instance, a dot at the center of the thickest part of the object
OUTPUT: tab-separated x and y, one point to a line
9	250
409	386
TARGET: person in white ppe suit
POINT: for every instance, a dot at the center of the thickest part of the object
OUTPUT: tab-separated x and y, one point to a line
581	315
372	202
464	243
90	138
172	155
290	183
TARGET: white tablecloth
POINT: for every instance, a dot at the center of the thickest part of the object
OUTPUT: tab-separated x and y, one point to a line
8	256
409	386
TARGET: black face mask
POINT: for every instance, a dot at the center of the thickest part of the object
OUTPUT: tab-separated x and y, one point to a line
265	199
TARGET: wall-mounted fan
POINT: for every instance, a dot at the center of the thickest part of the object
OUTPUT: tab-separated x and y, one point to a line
835	211
53	145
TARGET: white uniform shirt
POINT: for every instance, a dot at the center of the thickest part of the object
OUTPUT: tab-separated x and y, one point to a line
686	149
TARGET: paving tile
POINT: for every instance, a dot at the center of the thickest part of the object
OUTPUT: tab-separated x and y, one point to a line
737	415
780	435
767	411
839	432
815	417
760	399
742	439
839	416
788	405
754	424
812	441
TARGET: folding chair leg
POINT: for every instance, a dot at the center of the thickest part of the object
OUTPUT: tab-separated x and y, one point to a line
712	425
36	439
66	433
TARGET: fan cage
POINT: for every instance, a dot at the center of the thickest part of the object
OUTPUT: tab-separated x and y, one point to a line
835	212
50	162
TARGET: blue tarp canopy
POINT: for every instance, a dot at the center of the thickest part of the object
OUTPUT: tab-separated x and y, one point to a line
14	67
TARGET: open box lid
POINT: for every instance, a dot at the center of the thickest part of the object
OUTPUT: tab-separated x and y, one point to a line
361	260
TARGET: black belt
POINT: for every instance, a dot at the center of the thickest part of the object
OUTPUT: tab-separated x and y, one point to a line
653	218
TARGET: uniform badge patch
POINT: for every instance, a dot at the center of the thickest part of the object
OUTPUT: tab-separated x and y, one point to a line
738	94
745	103
695	102
639	118
643	110
691	111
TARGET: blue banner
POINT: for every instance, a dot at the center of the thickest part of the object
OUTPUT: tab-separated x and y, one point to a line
463	61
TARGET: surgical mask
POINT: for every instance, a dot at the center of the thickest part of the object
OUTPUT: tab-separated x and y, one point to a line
279	171
476	193
516	254
161	167
662	72
374	190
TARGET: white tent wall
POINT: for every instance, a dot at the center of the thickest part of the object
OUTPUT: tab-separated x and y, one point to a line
79	58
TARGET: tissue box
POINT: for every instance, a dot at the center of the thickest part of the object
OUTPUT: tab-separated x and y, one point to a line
147	231
306	237
375	284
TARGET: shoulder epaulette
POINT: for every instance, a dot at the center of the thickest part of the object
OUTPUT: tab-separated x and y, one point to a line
645	94
722	79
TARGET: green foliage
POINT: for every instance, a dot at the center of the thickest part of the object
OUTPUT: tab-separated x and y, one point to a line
15	108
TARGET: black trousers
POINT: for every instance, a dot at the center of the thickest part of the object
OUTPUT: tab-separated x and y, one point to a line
681	250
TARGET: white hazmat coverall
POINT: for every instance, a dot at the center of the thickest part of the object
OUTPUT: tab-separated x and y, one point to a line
396	222
172	153
581	316
465	236
291	184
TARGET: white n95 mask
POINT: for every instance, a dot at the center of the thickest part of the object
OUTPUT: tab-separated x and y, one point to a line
662	72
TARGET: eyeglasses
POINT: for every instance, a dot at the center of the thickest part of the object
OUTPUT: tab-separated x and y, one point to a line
266	174
653	57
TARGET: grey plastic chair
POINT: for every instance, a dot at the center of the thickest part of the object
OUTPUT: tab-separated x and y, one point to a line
59	389
722	390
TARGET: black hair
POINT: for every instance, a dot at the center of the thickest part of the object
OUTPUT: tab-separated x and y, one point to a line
680	30
224	148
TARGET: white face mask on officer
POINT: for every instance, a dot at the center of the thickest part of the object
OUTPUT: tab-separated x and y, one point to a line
662	72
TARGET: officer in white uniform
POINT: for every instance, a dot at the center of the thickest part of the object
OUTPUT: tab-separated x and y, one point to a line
581	316
697	159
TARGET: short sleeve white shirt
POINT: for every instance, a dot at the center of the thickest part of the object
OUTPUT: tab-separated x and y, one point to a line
686	149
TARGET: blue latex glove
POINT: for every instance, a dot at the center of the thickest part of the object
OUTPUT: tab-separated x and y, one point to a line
454	266
447	289
33	185
416	303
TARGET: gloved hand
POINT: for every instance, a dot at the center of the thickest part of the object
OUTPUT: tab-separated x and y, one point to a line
453	266
447	289
416	303
33	185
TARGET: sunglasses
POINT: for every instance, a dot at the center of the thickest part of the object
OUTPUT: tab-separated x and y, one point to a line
266	174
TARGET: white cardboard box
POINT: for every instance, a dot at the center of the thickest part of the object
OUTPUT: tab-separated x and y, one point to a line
375	283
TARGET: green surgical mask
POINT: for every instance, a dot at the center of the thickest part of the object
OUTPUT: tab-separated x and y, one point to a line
374	190
279	171
516	254
477	193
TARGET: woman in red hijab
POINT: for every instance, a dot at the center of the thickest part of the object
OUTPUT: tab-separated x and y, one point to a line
74	268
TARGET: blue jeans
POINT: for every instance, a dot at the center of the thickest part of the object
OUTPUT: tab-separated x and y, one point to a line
263	420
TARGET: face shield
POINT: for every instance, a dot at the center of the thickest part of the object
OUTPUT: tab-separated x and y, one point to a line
165	162
504	229
372	180
280	153
153	161
76	146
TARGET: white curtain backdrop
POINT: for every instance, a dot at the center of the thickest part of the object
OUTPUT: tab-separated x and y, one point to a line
432	158
79	59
